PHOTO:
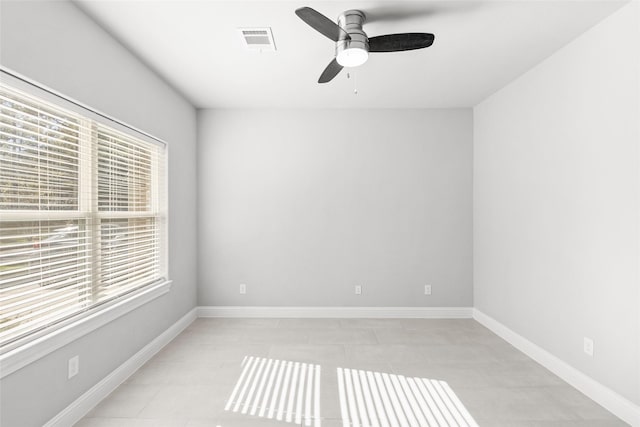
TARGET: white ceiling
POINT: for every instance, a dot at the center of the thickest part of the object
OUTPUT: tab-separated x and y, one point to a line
479	47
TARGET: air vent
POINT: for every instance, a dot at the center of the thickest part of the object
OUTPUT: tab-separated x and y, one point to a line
260	39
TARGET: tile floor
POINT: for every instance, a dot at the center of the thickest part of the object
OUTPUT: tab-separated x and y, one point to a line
189	382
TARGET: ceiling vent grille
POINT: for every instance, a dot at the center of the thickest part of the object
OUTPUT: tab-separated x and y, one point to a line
259	39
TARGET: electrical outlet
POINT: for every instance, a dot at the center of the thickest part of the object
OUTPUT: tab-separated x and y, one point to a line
73	366
358	290
243	288
427	289
588	346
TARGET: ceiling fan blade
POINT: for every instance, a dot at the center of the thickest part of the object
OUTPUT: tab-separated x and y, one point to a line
400	42
322	24
330	72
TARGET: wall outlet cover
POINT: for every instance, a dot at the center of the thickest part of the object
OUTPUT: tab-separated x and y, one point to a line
588	346
73	367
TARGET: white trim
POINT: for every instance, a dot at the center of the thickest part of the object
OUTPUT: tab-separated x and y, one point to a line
338	312
88	400
609	399
28	353
82	405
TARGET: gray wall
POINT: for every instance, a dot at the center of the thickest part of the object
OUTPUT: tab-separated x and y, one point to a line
303	205
56	44
556	203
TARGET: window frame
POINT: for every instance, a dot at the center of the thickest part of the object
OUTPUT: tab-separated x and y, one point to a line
32	347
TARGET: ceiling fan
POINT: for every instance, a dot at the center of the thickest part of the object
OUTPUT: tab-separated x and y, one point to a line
352	44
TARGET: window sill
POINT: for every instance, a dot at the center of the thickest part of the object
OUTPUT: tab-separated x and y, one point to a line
31	351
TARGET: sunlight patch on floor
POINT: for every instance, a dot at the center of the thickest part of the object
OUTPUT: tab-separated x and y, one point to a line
278	389
384	400
290	392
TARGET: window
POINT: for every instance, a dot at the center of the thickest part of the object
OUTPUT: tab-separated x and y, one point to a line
82	213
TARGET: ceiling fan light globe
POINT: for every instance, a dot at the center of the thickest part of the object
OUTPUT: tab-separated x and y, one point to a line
352	57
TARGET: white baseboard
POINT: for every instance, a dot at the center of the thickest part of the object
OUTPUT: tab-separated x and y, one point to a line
612	401
82	405
338	312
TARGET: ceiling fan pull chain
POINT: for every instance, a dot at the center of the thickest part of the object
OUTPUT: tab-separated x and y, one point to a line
355	84
355	87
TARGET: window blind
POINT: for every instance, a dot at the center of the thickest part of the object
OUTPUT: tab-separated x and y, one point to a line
82	214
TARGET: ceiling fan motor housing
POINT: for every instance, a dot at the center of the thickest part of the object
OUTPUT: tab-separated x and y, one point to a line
352	52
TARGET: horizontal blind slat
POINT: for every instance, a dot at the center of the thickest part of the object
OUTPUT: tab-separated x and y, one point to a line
51	293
